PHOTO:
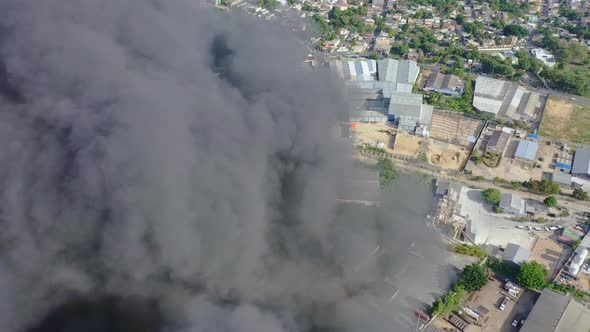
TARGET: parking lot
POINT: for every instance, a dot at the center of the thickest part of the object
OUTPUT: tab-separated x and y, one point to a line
489	299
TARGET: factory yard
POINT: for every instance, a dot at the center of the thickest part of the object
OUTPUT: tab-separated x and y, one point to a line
373	134
490	227
550	253
407	145
488	300
565	121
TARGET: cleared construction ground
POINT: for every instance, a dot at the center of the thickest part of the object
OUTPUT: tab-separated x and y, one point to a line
455	128
446	155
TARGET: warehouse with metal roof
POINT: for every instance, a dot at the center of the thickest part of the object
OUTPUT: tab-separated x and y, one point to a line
409	111
581	164
554	312
526	150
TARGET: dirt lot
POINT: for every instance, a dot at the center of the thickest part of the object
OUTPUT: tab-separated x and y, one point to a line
509	169
499	320
446	155
550	253
407	145
373	133
566	121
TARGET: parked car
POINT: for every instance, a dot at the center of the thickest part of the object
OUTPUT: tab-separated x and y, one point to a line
502	305
518	320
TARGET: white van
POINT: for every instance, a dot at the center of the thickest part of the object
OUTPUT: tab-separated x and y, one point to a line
503	304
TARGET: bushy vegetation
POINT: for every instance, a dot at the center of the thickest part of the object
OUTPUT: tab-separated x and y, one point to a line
547	187
550	201
580	194
472	278
491	196
533	275
387	172
372	149
577	294
469	250
449	302
266	3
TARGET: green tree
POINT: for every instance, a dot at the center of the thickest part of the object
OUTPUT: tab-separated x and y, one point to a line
550	201
473	278
492	196
580	194
266	3
515	30
533	275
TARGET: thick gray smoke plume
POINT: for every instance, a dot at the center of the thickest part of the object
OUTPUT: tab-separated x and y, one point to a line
156	150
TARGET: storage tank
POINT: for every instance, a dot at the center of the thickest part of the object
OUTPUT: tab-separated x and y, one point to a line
577	262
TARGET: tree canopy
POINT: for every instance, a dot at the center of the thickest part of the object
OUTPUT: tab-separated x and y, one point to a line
473	278
515	30
533	275
492	196
550	201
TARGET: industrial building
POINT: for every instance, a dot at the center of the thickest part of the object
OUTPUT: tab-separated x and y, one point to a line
515	254
382	90
563	179
505	100
410	113
446	84
581	164
498	142
513	204
526	150
554	312
401	72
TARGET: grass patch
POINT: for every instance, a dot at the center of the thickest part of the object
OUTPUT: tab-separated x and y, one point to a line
566	121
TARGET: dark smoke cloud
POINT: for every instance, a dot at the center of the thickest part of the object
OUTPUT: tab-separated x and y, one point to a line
164	157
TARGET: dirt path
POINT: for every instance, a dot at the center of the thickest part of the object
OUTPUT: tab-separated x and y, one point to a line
565	201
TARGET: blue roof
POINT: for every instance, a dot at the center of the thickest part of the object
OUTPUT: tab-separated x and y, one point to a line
533	136
564	166
527	150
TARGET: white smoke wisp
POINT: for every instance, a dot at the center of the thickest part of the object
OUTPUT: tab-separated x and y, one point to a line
155	149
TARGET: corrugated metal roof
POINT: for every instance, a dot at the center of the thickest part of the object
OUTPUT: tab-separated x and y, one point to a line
581	163
554	312
515	253
527	150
